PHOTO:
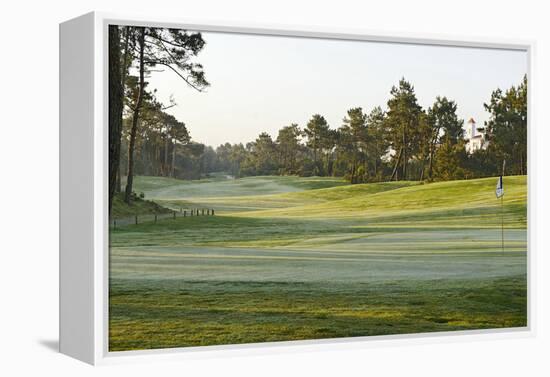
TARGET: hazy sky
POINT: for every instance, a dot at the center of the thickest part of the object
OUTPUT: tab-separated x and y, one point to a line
262	83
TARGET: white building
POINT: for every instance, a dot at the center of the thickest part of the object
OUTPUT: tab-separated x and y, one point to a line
475	137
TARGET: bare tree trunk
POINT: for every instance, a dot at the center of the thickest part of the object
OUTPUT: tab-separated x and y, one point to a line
156	158
328	168
119	179
521	163
135	117
335	163
173	169
126	57
432	152
315	168
115	109
431	165
353	168
394	173
405	157
376	165
404	164
165	165
123	74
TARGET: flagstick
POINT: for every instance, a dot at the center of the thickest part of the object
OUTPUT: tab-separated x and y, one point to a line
502	221
502	206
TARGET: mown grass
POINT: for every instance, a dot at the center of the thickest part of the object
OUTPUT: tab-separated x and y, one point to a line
289	258
368	209
219	185
455	195
285	199
162	314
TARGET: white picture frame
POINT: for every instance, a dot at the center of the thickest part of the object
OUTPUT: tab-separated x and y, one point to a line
84	227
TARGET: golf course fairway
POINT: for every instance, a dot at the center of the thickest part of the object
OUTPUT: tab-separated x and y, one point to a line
289	258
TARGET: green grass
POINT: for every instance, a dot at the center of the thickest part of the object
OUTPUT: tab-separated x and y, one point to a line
169	188
138	207
160	314
289	258
455	195
282	200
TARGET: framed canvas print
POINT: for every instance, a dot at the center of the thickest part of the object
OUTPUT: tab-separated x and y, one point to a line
227	187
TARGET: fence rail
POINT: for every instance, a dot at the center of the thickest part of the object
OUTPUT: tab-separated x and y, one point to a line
139	219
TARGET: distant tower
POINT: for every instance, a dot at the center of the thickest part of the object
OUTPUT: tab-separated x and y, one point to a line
475	137
471	129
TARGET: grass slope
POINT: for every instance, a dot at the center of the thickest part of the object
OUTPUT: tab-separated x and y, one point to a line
169	188
287	258
229	204
138	207
455	195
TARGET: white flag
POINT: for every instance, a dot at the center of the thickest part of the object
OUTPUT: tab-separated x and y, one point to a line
500	188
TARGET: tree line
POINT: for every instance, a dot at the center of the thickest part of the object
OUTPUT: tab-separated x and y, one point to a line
402	142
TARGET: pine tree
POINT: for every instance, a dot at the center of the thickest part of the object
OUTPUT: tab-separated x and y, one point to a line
402	119
317	130
507	126
171	48
445	130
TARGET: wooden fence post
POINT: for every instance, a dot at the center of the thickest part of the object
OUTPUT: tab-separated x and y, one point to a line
155	218
114	224
184	213
136	219
212	211
174	215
